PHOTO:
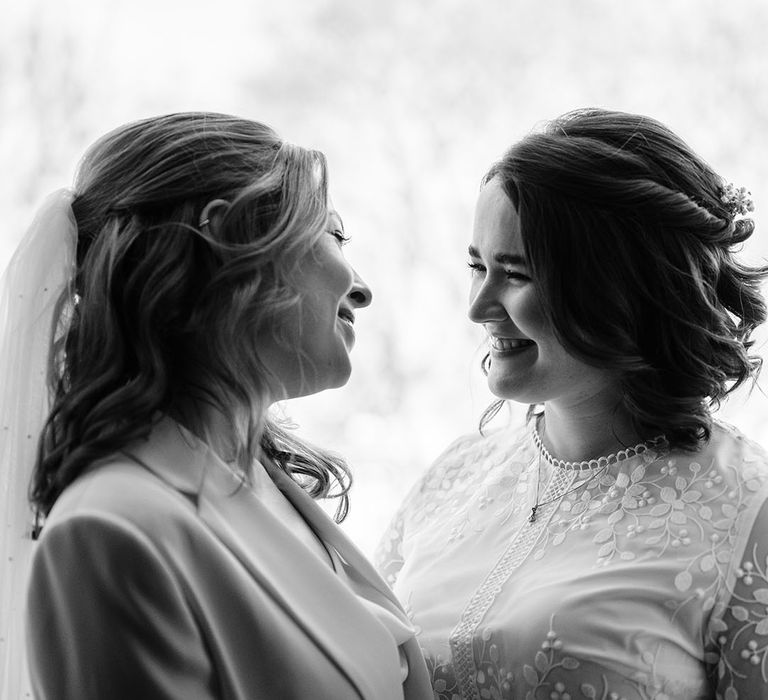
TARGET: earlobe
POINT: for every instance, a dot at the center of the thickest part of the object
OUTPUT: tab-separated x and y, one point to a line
212	213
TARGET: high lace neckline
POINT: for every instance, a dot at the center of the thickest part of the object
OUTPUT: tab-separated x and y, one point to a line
601	462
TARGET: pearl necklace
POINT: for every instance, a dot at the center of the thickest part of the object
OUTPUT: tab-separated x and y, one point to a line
600	464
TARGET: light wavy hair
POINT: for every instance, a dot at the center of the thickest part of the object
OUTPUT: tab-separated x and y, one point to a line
164	312
633	253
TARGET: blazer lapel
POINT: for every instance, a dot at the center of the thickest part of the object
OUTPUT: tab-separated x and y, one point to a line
308	591
359	569
363	578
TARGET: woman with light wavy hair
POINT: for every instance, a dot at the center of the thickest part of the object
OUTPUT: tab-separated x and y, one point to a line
616	546
193	277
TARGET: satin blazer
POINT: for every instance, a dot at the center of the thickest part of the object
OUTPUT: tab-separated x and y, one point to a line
160	575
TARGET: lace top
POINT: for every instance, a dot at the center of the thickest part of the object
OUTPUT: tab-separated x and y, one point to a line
648	579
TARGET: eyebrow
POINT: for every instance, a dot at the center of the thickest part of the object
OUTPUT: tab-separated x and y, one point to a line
501	258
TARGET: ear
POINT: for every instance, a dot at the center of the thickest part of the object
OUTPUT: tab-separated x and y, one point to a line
212	213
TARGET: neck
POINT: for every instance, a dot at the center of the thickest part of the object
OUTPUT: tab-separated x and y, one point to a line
587	431
210	425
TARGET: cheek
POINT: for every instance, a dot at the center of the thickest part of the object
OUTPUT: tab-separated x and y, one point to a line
525	309
330	272
344	278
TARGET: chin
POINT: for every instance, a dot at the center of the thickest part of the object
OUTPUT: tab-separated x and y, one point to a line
333	380
512	391
341	379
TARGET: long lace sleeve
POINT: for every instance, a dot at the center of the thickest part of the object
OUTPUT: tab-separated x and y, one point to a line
740	630
388	557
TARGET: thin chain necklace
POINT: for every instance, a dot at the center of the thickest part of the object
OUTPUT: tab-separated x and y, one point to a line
601	464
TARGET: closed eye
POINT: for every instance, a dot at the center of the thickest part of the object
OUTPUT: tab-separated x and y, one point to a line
518	276
477	269
339	235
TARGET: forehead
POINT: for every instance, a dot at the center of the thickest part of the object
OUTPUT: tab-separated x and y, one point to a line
497	225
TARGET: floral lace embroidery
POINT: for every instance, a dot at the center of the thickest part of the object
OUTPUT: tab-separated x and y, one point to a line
463	469
547	660
462	636
680	509
548	677
742	642
703	506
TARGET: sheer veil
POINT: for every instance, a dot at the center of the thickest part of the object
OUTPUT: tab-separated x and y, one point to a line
39	271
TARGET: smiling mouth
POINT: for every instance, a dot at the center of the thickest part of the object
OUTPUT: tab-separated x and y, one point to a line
509	344
346	315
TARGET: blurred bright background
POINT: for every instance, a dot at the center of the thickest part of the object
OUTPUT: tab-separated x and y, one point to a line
411	100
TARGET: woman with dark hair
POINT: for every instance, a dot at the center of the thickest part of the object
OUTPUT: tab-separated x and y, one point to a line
616	546
192	278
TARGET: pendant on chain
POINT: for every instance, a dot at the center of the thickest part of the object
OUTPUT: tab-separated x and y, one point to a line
532	516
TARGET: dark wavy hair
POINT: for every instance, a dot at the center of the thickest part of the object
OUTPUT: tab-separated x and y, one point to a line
163	311
632	253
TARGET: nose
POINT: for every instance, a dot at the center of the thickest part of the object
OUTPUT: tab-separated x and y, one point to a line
360	294
484	305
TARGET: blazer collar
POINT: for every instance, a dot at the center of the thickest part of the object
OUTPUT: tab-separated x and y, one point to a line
308	590
358	569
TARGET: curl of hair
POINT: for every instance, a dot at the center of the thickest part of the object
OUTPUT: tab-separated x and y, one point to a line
162	311
632	253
